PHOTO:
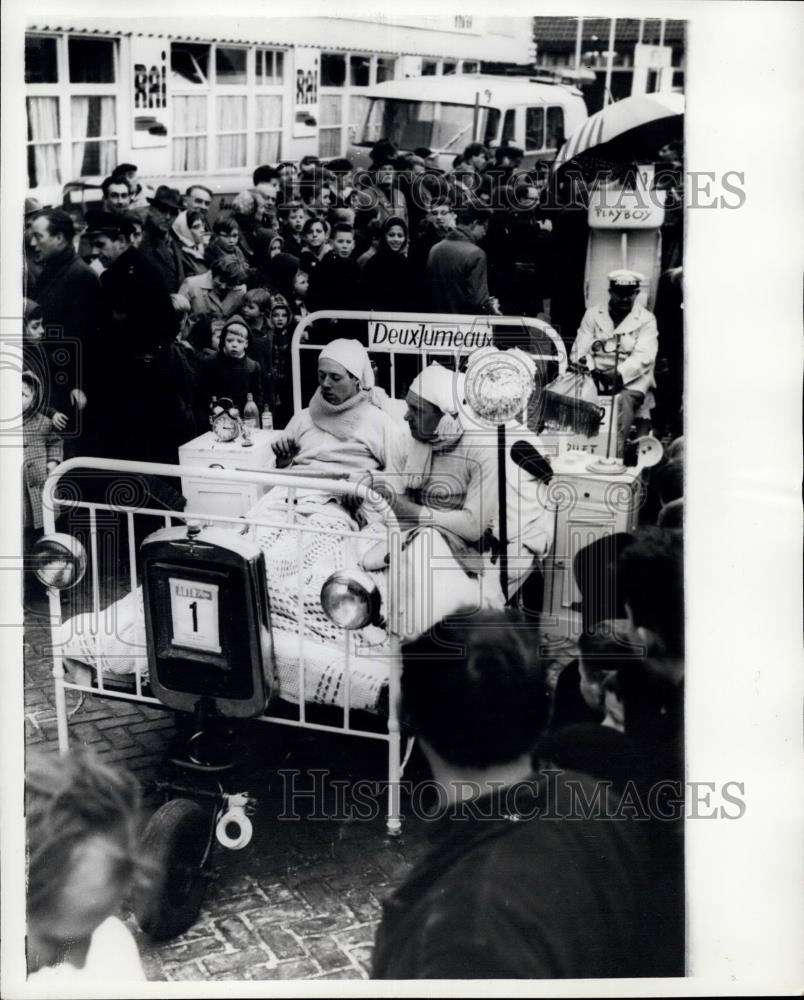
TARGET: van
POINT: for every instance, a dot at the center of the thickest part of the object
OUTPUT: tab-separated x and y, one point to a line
446	113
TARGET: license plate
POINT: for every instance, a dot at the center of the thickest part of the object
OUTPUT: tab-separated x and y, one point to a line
194	611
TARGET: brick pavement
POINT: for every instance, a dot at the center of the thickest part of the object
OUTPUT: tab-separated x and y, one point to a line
302	901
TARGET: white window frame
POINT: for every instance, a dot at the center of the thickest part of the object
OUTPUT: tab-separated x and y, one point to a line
269	90
212	90
347	91
243	90
64	91
195	90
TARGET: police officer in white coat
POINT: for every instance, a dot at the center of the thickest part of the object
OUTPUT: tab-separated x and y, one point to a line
619	341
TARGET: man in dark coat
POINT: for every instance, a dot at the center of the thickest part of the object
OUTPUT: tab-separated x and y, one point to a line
519	883
457	277
142	415
158	244
68	293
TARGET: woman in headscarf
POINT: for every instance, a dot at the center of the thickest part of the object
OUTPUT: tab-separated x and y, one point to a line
387	276
342	430
192	234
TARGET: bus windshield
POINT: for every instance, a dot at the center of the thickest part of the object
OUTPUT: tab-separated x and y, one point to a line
434	124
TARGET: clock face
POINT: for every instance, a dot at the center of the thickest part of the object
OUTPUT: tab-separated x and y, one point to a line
225	427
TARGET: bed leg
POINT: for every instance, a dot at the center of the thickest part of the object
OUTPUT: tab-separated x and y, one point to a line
61	709
58	681
393	823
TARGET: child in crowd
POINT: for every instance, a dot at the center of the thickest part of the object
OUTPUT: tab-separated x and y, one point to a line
255	309
279	394
335	283
225	241
387	276
206	336
231	373
301	290
42	452
316	243
57	401
293	217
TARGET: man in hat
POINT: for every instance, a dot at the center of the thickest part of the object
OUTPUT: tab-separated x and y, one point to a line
158	244
619	341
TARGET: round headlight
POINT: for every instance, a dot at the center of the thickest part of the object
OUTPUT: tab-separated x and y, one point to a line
351	599
59	561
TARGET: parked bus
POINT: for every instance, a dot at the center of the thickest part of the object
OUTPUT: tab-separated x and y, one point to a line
446	113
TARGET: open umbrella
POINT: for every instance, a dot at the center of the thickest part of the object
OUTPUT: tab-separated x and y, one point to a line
627	128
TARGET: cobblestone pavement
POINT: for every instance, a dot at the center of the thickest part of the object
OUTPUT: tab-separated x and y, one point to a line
302	901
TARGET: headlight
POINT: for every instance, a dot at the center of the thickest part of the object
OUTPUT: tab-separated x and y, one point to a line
59	561
351	599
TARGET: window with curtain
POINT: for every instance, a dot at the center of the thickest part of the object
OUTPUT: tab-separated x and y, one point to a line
230	126
94	134
358	104
189	143
331	117
269	128
44	146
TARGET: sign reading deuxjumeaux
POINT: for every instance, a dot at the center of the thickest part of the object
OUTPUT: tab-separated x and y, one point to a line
399	336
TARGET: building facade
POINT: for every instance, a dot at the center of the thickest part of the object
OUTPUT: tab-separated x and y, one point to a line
648	53
208	97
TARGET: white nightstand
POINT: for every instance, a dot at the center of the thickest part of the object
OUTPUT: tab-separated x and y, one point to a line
586	507
219	496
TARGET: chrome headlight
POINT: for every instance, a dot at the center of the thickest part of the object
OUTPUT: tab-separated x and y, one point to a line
59	561
351	599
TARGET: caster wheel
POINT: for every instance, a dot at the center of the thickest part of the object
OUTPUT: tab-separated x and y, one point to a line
174	846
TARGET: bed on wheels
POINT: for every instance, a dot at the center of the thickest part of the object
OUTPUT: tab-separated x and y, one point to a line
260	614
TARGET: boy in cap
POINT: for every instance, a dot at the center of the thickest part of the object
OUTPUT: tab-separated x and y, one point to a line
619	341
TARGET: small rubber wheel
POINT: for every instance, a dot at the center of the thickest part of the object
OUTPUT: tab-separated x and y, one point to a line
173	846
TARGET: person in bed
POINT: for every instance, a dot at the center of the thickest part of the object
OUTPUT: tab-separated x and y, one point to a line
342	431
442	478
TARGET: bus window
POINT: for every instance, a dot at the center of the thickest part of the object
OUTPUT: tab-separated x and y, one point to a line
555	128
489	133
534	128
509	128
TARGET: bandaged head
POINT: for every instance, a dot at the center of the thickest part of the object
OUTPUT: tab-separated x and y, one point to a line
443	389
351	355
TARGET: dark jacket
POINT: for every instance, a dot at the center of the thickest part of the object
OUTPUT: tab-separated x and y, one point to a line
335	284
234	378
512	890
70	297
164	253
388	282
456	274
138	314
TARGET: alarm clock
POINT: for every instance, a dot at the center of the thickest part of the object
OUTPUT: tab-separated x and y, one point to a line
225	421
